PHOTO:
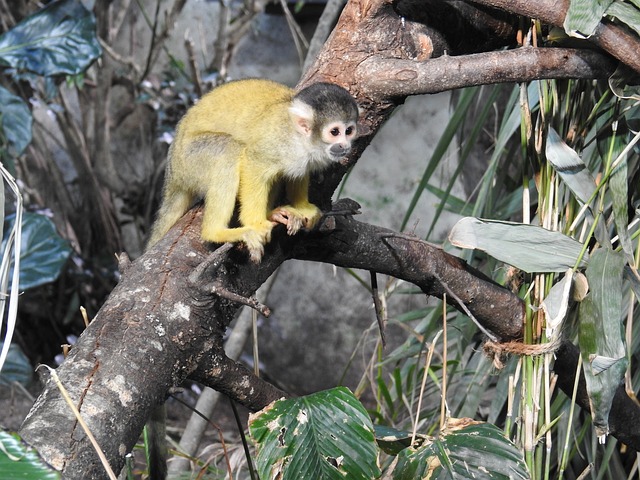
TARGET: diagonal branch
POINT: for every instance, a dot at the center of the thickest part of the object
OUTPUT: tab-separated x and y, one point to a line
401	78
614	39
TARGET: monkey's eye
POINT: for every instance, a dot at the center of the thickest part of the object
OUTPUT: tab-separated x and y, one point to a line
349	131
335	131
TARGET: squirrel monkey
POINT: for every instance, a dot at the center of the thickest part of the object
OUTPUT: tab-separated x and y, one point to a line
240	143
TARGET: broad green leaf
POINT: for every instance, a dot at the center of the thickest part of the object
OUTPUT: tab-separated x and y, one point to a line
15	123
467	450
59	39
327	435
570	167
527	247
16	368
43	253
601	334
17	460
584	16
626	13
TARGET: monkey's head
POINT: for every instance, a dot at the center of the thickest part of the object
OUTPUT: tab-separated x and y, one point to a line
327	115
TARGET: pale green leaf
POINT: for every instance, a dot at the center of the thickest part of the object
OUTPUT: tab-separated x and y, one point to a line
601	334
527	247
556	303
570	167
626	13
620	195
583	16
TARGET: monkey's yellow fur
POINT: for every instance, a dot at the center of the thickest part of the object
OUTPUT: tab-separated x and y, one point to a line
239	142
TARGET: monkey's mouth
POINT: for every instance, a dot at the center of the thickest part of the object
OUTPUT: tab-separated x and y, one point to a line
337	152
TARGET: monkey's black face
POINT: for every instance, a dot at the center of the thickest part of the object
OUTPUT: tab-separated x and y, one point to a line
338	137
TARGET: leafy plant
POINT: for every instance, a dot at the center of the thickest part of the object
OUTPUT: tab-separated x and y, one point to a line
57	40
19	461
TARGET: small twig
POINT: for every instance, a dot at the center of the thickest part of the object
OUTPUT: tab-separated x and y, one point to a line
128	61
124	262
218	289
296	32
327	20
85	317
213	263
377	304
85	427
450	292
245	445
195	73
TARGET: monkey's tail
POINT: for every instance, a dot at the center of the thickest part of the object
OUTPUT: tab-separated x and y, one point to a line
174	205
156	431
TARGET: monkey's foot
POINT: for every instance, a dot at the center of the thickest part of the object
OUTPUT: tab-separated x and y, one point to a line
254	236
255	241
296	218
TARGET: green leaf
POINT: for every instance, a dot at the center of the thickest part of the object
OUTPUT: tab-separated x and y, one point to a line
16	367
327	435
620	196
59	39
43	253
626	13
468	450
570	167
15	123
20	461
527	247
601	334
393	441
584	16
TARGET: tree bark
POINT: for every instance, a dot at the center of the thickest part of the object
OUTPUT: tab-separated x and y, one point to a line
165	320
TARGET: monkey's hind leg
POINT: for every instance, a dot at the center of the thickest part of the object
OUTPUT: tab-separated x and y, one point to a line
220	202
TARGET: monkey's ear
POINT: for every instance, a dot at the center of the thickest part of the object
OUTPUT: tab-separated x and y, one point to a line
302	116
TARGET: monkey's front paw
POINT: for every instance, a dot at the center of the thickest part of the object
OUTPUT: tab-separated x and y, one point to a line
296	218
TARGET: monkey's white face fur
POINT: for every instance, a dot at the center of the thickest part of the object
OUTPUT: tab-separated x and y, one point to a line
328	140
338	137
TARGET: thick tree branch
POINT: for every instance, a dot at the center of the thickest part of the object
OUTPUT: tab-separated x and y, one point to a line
614	39
394	77
353	244
236	381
